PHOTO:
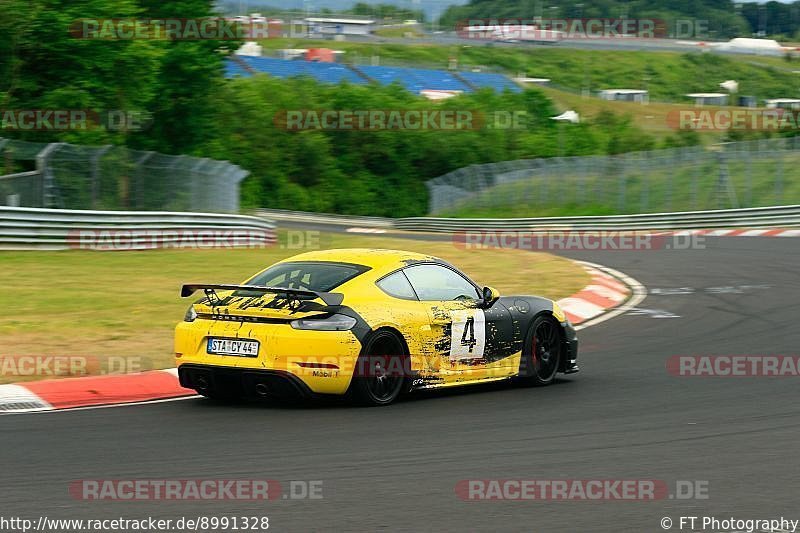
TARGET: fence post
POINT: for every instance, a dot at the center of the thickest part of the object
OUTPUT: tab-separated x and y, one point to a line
139	182
602	171
644	196
95	165
673	158
621	186
172	168
239	175
748	168
558	182
9	168
582	179
545	184
50	193
697	162
194	173
725	190
779	177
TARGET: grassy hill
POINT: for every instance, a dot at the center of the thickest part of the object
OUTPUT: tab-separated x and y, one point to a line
667	75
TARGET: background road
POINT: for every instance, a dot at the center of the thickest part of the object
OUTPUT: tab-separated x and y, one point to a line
621	44
395	468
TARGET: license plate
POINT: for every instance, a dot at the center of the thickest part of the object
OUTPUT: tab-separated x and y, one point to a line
238	347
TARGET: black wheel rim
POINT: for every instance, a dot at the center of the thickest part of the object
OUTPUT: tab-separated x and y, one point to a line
546	350
382	385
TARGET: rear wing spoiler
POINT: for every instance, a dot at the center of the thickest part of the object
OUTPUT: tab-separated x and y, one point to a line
330	298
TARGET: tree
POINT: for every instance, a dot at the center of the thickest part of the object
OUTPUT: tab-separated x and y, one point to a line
189	79
45	66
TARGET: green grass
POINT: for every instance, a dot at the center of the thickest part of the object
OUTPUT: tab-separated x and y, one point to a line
667	75
126	304
652	118
399	32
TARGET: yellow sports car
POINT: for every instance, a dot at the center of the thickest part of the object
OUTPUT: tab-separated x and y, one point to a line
372	324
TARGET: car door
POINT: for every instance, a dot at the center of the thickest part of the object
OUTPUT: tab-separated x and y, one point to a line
466	337
412	318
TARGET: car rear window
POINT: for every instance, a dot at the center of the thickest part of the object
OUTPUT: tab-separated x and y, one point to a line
321	276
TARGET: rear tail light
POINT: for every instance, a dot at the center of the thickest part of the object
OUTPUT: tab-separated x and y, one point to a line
331	323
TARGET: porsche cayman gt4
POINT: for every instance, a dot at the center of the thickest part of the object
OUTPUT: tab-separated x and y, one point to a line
371	324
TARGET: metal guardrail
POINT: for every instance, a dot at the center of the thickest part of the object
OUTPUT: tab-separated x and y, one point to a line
30	228
55	229
755	217
324	218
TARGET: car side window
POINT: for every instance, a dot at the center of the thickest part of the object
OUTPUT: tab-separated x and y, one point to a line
435	282
397	285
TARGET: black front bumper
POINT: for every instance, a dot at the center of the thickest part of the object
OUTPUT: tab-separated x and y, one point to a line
569	364
218	381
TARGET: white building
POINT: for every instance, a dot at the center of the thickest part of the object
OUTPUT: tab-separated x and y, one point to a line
625	95
701	99
783	103
339	26
534	81
250	48
749	45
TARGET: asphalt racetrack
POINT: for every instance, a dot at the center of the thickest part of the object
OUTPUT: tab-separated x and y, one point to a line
622	417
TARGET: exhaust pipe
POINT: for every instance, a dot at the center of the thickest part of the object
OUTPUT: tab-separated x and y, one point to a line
262	390
202	383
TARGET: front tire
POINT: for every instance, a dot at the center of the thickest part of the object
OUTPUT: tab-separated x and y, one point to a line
380	375
541	352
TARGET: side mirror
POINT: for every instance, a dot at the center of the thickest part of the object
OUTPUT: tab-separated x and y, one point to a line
490	296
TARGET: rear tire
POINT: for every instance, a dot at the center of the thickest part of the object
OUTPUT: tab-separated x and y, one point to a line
380	374
541	352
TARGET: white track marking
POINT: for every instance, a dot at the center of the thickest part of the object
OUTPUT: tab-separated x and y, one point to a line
638	293
613	285
365	230
580	307
753	233
109	406
18	399
606	292
731	232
